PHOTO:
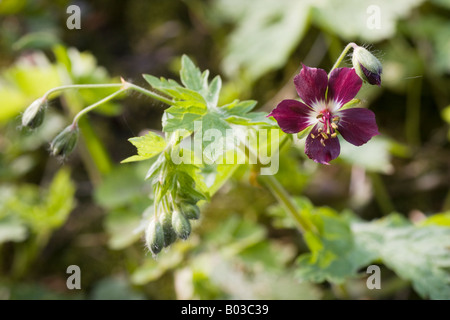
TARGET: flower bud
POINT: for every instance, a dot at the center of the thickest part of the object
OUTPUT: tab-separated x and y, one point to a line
33	116
154	237
181	225
64	142
190	211
366	65
169	234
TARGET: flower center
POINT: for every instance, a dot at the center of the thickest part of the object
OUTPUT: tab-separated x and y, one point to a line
329	126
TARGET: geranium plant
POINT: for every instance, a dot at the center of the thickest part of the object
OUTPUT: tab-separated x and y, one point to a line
200	134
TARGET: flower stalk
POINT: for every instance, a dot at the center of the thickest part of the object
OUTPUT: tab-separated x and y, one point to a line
81	86
283	197
288	204
147	92
342	56
95	105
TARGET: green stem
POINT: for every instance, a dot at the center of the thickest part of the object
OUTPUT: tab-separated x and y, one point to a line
286	201
412	118
95	105
148	93
82	86
281	194
381	194
342	56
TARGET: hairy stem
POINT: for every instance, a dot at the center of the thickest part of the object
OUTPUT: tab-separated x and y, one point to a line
95	105
148	93
82	86
342	56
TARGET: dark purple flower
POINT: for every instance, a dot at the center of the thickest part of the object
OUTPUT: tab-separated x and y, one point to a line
323	99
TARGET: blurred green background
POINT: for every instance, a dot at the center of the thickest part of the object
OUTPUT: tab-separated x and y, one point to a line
84	211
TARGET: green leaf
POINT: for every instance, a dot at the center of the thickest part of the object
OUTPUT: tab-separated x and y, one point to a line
214	120
440	219
181	117
12	229
350	104
220	176
190	75
335	254
123	227
147	146
60	200
251	119
446	114
363	19
238	108
304	133
124	185
43	210
419	254
264	37
161	84
212	96
435	31
343	244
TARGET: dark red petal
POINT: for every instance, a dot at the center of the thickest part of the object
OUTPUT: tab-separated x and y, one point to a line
315	150
343	85
372	78
292	116
311	84
357	125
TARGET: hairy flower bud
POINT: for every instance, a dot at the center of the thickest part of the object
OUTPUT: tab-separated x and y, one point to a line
181	225
366	65
169	234
190	211
154	237
33	116
64	143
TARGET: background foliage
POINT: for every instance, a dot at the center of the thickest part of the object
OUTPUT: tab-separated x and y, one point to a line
386	203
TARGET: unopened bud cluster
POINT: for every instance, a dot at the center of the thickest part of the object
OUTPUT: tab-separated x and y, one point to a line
171	221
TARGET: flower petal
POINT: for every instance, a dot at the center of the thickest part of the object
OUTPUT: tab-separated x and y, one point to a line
357	125
292	116
343	85
311	84
322	153
372	78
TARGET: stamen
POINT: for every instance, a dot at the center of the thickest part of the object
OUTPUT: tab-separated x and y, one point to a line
313	136
336	119
320	130
319	116
324	135
322	142
334	135
334	125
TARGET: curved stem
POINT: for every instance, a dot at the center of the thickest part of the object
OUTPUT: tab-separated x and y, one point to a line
82	86
342	56
95	105
148	93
